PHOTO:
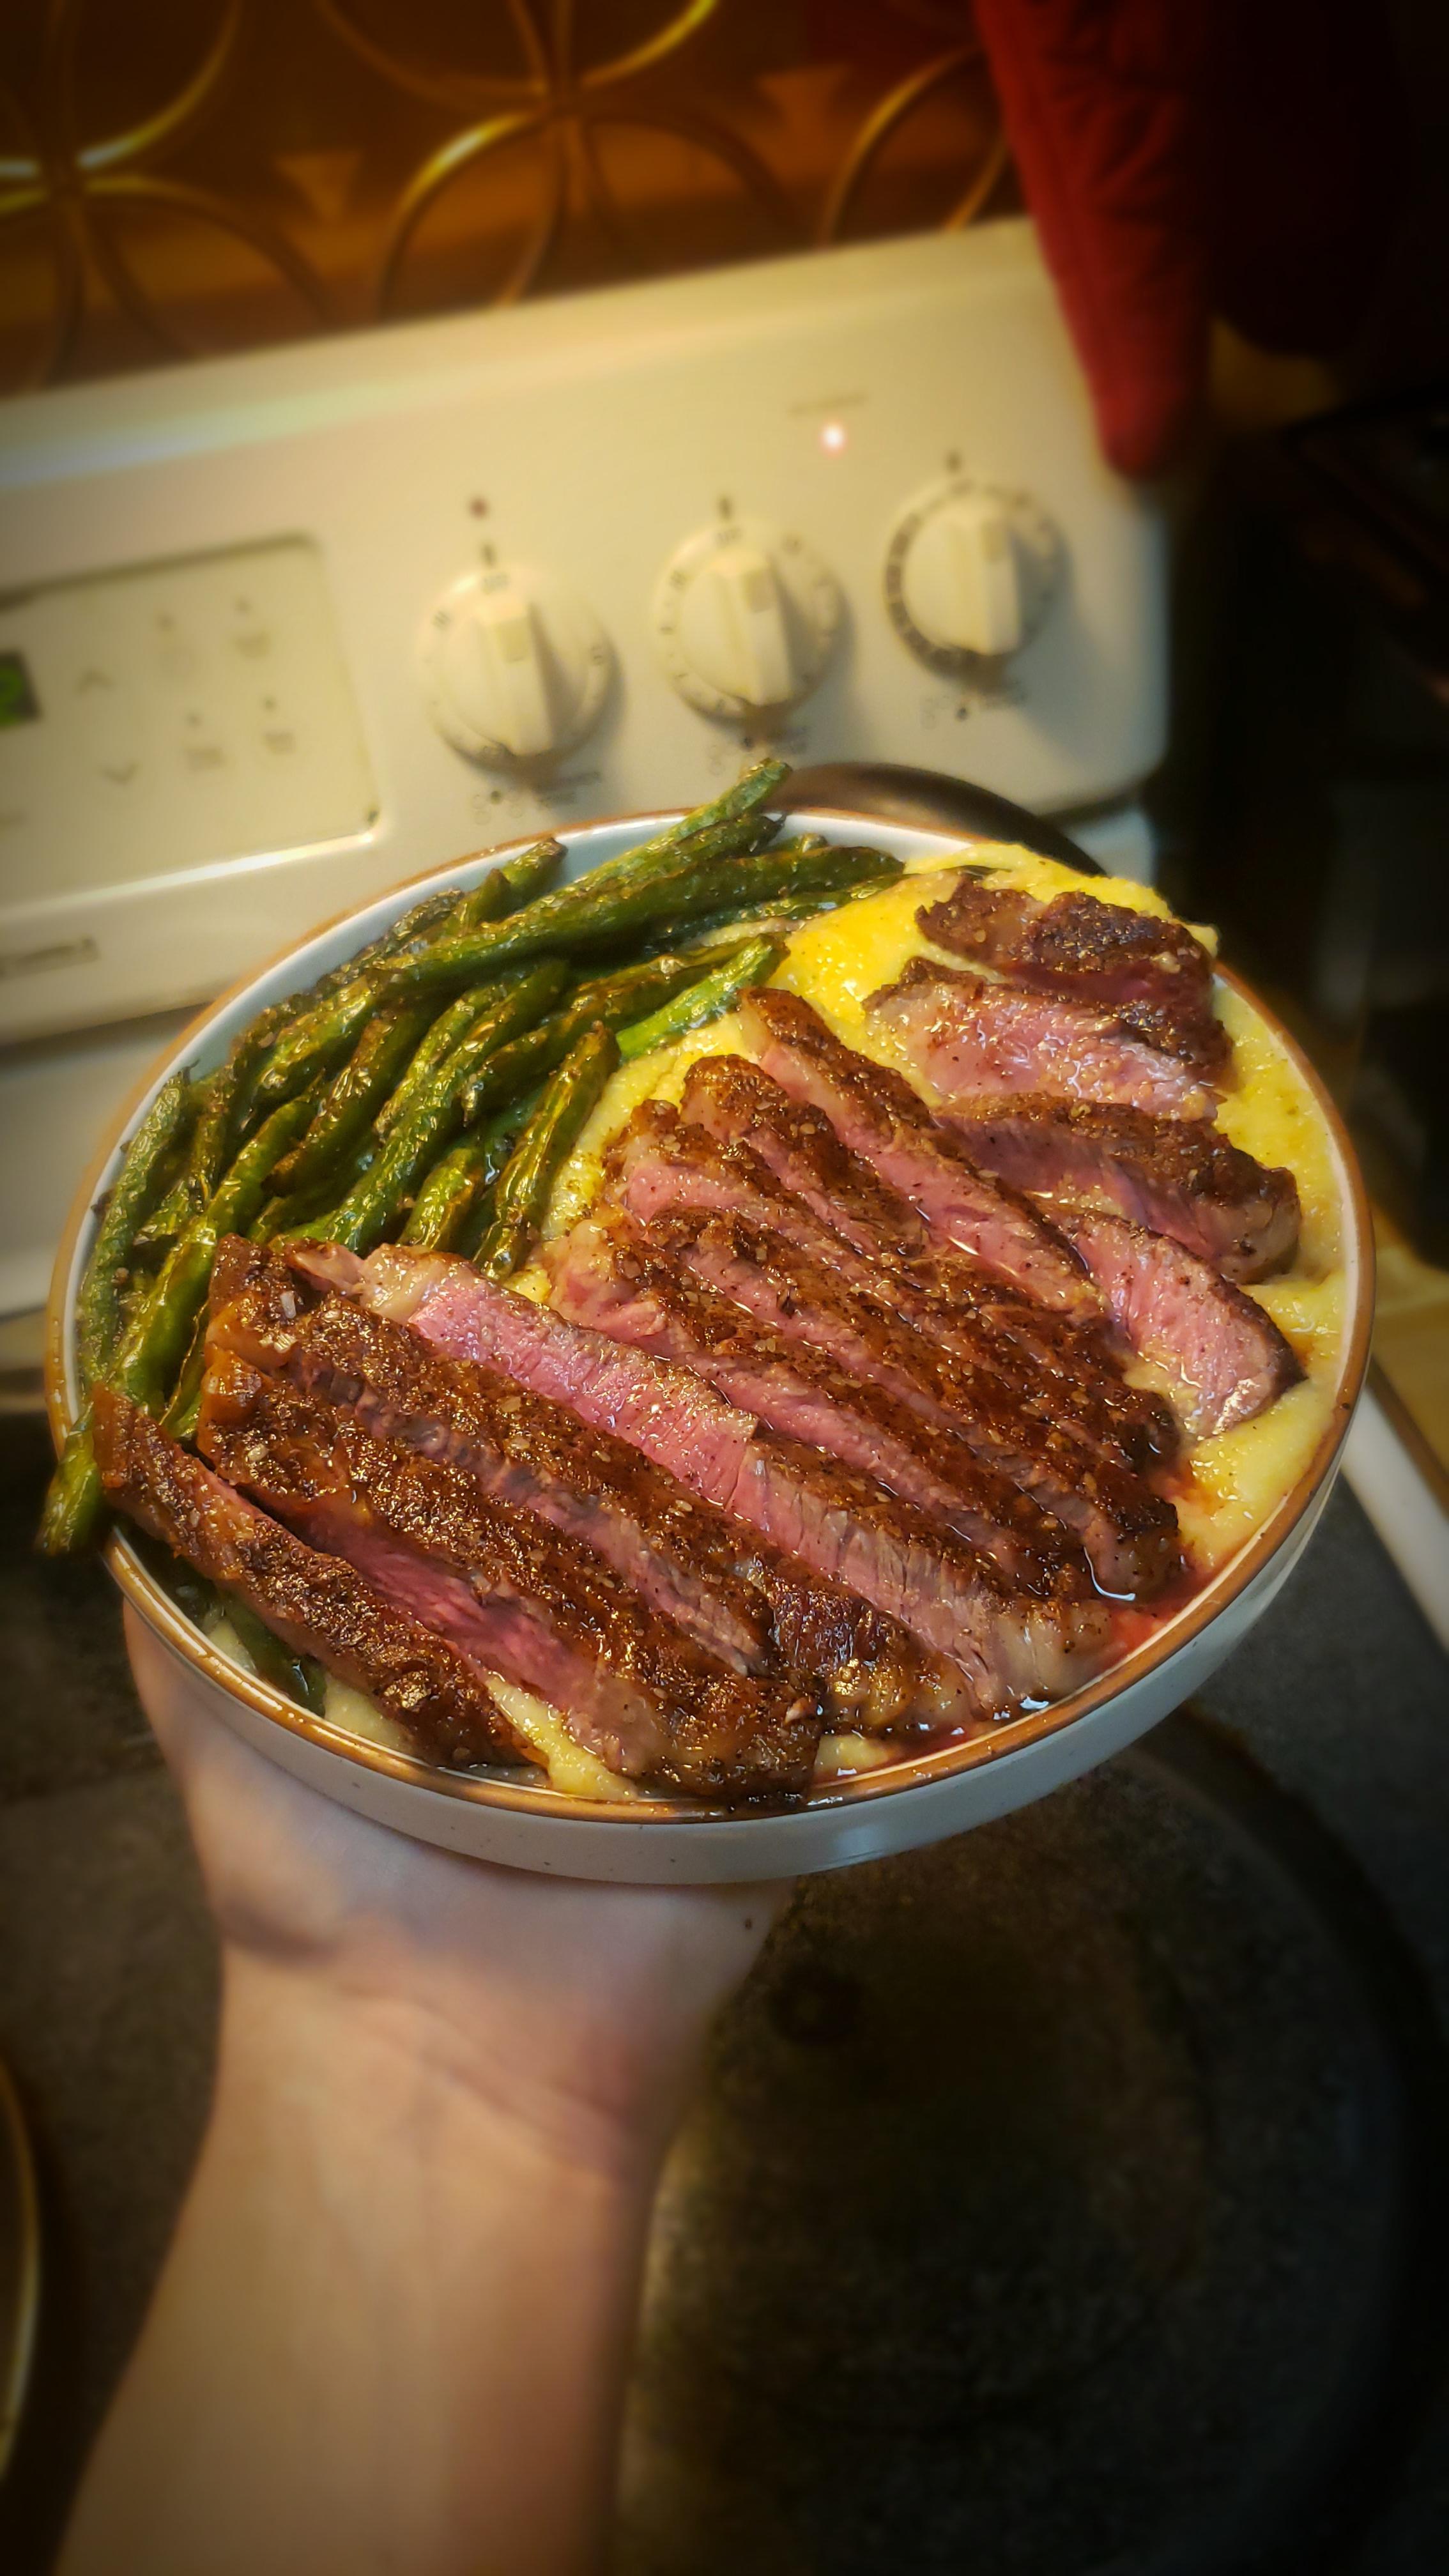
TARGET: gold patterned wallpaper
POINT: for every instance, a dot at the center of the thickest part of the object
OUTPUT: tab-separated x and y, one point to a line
179	177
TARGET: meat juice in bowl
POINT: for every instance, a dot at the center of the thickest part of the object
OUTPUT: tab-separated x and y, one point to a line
1243	1495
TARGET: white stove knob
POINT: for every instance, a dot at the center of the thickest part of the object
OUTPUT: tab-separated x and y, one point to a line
745	614
971	572
515	666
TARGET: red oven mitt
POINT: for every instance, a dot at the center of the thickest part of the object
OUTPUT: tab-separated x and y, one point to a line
1186	157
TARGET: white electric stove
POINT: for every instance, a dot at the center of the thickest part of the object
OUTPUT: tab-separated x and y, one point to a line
277	630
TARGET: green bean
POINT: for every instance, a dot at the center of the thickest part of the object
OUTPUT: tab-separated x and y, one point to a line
608	1000
292	1217
372	1206
523	1187
699	1003
297	1677
598	909
497	1138
446	1031
151	1348
529	873
180	1416
418	923
447	1196
197	1178
735	921
353	1098
99	1320
322	1035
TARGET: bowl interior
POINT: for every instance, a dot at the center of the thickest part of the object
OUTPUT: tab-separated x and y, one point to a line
204	1044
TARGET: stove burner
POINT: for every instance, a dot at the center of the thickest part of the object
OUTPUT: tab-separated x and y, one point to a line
1052	2203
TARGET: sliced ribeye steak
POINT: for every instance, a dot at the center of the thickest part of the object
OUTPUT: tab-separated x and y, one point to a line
1155	975
511	1593
878	1115
846	1526
1129	1532
741	1599
1221	1351
315	1603
965	1035
1176	1176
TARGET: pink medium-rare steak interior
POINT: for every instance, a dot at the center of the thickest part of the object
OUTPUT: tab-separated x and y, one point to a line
845	1526
1224	1355
878	1115
510	1593
743	1600
1127	1531
316	1604
965	1036
1176	1176
1153	973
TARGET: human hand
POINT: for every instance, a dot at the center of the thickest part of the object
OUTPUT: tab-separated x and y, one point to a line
573	2007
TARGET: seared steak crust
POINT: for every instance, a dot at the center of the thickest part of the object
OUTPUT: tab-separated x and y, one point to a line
315	1603
1221	1350
1128	1531
612	1275
845	1526
738	1101
659	1163
756	1608
877	1113
1177	1176
512	1594
965	1036
1158	977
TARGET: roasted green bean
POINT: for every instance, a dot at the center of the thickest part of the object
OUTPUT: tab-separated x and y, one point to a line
297	1677
415	1142
446	1032
754	963
150	1350
609	1000
522	1190
354	1097
99	1321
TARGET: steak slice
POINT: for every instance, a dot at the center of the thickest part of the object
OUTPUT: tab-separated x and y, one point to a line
965	1036
1176	1176
1128	1531
1155	975
1070	1364
742	1600
314	1603
877	1114
511	1594
660	1163
847	1527
1224	1355
614	1277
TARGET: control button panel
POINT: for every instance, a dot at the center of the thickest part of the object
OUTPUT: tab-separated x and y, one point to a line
515	665
157	720
971	572
745	616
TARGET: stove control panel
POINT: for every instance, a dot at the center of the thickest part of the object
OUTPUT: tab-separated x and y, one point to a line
515	664
466	581
745	614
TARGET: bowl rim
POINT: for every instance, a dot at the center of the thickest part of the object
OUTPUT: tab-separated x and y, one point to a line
1229	1581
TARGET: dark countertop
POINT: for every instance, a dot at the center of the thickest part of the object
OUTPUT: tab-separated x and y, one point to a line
108	1989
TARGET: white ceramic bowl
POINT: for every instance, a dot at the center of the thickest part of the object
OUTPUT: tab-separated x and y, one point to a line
916	1800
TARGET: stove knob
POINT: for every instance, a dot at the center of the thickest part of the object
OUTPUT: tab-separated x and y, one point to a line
515	666
745	614
971	572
